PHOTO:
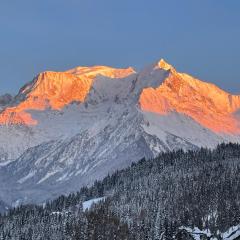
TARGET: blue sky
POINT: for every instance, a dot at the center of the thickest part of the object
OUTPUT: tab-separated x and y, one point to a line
198	37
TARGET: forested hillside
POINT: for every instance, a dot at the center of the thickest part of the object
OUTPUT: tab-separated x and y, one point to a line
152	199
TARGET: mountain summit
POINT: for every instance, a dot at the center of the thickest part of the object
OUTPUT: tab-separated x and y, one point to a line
66	129
162	64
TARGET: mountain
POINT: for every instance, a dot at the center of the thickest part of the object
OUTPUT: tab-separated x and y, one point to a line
64	130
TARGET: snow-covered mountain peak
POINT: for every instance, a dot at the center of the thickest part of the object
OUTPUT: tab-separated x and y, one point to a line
162	64
204	102
52	90
55	90
58	89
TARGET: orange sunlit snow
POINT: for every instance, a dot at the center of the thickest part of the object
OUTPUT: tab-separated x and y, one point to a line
55	90
204	102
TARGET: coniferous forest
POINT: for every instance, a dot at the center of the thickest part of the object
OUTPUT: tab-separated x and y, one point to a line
151	199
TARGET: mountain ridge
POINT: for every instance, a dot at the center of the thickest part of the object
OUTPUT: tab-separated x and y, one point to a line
57	89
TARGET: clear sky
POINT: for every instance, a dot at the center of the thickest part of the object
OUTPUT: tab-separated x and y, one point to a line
198	37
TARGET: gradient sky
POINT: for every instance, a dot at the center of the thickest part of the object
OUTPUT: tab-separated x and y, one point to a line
201	38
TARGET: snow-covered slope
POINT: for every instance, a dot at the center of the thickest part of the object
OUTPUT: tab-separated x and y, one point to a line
64	130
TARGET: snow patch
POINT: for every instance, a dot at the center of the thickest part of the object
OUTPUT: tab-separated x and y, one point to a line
48	175
88	204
